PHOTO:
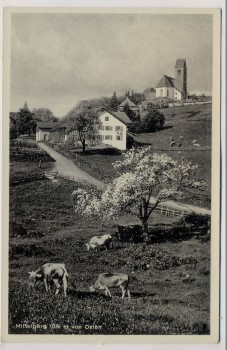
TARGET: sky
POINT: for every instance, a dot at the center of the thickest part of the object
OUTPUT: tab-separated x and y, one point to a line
59	59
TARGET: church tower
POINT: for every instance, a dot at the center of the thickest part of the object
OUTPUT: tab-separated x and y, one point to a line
181	77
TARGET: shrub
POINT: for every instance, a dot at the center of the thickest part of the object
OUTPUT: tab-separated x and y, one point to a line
133	233
152	121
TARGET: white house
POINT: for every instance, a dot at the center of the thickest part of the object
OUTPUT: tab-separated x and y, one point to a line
113	128
44	130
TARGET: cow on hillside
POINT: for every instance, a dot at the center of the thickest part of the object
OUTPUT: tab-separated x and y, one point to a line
50	273
108	280
100	241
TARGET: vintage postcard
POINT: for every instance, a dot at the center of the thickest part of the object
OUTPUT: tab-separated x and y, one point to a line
111	175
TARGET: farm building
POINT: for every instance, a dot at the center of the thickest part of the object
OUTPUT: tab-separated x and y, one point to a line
59	132
44	130
131	105
113	128
149	94
174	89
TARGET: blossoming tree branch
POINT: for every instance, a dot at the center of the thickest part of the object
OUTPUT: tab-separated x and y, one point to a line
144	181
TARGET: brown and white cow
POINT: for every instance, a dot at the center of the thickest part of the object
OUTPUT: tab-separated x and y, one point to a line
109	280
99	241
48	273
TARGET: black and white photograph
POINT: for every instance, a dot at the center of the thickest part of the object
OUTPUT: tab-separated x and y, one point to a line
113	171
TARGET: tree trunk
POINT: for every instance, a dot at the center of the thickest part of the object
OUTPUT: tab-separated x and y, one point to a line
145	230
83	145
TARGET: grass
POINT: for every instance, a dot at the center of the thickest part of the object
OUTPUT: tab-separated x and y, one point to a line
20	168
162	303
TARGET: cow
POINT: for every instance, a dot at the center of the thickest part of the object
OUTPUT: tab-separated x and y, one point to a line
107	280
48	273
99	241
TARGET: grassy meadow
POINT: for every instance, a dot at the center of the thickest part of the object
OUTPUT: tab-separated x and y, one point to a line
162	301
44	228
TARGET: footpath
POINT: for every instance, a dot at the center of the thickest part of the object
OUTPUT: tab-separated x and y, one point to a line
67	168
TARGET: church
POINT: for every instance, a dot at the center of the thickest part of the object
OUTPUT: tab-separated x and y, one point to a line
174	89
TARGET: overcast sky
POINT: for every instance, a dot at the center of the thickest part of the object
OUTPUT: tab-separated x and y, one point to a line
59	59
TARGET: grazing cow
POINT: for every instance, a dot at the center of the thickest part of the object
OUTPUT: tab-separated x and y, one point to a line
48	273
99	241
106	280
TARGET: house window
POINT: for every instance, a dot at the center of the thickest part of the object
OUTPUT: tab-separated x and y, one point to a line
108	137
118	137
167	92
161	92
118	128
100	137
106	119
101	127
108	127
179	71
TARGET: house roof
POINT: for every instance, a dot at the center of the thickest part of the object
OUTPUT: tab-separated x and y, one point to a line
148	90
61	125
122	116
127	101
46	125
166	82
180	63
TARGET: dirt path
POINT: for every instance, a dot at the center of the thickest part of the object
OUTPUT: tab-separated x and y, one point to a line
66	167
183	207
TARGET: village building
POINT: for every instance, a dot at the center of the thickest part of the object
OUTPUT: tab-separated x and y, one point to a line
44	130
174	89
149	94
59	133
131	105
113	128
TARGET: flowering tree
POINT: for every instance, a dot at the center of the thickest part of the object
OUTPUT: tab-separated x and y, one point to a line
145	180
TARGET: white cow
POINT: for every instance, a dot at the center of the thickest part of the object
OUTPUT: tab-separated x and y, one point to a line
99	241
106	280
48	273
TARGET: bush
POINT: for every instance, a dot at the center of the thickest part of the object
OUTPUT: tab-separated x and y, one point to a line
133	233
153	121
